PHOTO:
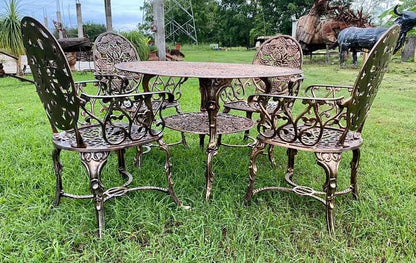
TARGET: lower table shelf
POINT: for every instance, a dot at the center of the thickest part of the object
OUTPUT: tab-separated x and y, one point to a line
197	122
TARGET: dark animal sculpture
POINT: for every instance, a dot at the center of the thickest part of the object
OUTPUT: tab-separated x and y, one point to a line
357	39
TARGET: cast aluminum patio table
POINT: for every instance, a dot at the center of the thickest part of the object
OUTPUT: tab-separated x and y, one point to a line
213	78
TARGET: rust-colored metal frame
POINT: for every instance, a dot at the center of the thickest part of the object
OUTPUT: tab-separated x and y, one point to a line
327	126
90	131
278	51
111	48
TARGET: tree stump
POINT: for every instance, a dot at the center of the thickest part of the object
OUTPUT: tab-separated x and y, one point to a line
409	49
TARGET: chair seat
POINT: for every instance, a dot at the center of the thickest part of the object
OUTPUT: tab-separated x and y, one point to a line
327	143
95	142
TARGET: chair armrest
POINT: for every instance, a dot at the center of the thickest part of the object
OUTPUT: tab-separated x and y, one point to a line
87	97
117	84
128	113
263	96
327	91
305	123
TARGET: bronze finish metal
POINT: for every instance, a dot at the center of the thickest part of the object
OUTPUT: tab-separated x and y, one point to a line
111	48
213	79
328	126
79	126
279	51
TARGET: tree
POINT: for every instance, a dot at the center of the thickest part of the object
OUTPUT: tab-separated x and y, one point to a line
10	34
279	12
236	21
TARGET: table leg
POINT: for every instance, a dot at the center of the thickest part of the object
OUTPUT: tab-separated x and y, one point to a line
210	92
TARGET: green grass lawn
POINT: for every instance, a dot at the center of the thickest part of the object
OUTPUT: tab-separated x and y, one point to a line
146	226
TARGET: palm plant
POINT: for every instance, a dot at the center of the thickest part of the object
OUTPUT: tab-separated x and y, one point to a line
139	41
10	35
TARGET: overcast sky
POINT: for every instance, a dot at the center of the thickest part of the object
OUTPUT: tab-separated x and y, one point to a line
126	13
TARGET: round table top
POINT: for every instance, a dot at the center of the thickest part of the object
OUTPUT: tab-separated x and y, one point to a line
207	70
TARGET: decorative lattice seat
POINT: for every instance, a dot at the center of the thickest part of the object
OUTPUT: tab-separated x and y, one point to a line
94	139
312	139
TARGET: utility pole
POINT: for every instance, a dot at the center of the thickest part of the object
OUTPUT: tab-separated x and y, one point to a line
45	18
59	19
108	18
159	23
59	26
79	20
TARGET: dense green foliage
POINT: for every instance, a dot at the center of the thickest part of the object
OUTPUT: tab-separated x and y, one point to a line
91	30
148	227
139	41
237	22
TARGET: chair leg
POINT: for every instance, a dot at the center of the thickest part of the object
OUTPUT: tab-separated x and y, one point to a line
249	115
330	162
219	140
270	154
291	153
354	167
121	162
201	141
94	162
183	139
57	165
139	156
163	146
257	149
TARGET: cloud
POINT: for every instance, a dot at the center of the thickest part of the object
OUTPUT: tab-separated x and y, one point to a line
126	14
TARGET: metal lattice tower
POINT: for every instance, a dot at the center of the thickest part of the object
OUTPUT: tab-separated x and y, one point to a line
173	27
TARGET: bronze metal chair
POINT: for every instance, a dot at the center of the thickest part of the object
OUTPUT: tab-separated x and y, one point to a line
327	126
281	51
100	133
111	48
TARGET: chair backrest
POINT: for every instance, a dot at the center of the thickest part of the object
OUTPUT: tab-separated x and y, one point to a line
111	48
52	75
370	77
280	51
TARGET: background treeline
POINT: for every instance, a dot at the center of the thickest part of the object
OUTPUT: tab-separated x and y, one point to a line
237	22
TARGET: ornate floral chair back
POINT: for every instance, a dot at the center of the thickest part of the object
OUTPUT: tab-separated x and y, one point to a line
52	75
368	81
280	51
109	49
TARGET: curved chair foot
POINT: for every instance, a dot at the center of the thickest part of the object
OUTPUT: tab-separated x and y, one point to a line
168	165
330	162
258	149
94	162
354	167
58	167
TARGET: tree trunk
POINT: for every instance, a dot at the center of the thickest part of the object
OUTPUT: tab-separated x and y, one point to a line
409	49
19	71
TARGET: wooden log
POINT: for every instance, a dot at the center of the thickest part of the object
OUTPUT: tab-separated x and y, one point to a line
409	49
